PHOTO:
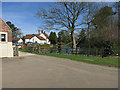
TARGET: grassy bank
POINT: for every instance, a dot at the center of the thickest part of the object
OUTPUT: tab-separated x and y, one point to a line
112	62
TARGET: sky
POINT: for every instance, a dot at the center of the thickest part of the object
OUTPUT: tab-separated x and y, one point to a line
22	15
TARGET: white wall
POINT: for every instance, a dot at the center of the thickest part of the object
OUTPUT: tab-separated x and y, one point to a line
6	49
27	40
34	39
42	35
20	41
47	40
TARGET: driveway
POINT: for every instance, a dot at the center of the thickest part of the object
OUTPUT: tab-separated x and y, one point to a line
37	71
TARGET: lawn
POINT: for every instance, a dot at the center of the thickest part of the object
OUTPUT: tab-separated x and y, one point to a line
111	62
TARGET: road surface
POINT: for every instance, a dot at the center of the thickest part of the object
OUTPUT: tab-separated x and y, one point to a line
37	71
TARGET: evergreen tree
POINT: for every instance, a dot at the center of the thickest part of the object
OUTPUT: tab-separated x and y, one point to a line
102	17
64	36
16	32
65	15
53	38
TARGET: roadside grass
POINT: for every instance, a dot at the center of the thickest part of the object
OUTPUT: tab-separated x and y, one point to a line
111	62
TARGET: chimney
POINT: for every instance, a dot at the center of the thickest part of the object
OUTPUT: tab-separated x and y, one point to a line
42	31
38	31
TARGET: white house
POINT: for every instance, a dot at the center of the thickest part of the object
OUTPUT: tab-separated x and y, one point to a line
40	38
20	41
6	49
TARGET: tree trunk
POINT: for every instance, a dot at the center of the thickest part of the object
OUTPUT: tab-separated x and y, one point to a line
73	42
89	39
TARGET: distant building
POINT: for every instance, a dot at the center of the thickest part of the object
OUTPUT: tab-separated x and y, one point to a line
20	41
40	38
6	49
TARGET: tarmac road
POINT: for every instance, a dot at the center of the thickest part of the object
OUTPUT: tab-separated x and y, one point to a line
37	71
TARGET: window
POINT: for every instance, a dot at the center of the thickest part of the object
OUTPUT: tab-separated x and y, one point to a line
3	37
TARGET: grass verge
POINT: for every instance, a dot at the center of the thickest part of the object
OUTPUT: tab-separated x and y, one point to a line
111	62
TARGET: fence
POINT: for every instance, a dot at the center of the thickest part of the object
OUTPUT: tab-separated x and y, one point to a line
65	50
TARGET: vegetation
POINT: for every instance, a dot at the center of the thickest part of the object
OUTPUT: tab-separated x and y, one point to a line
97	25
82	40
16	32
112	62
53	38
45	45
64	15
64	36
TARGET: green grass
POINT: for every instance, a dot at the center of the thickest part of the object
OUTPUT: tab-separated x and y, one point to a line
111	62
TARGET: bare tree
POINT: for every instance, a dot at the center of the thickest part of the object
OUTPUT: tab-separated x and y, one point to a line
66	15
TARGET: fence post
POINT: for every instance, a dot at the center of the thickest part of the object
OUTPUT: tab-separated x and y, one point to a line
44	50
66	50
96	51
33	48
39	49
17	50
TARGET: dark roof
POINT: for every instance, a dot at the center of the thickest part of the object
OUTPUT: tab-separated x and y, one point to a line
46	35
29	36
41	38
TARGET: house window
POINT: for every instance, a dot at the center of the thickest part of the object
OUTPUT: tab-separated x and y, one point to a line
3	37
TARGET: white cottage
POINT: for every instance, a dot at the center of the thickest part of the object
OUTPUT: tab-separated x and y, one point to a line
20	41
6	49
40	38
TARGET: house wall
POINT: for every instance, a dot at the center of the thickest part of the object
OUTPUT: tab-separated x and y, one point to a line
6	49
20	41
6	36
34	39
47	40
27	40
42	35
9	36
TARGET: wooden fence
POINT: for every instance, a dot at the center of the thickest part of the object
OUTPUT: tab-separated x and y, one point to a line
65	50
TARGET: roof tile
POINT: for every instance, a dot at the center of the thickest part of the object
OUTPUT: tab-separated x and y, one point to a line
29	36
4	27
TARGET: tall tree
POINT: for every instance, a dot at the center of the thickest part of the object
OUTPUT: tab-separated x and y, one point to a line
16	32
105	23
102	17
64	36
82	39
65	15
92	9
53	38
115	5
